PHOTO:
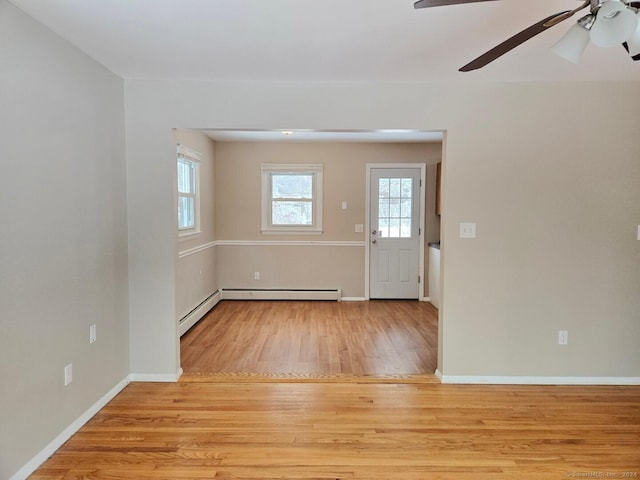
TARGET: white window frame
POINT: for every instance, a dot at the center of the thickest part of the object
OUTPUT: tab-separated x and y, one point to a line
187	154
268	169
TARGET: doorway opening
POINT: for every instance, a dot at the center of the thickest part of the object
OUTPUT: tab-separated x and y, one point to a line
234	254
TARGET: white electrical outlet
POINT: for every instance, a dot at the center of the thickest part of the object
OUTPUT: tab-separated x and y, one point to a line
563	337
92	334
359	228
256	276
68	374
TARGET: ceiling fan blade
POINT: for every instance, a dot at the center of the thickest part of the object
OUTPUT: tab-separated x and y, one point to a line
442	3
562	16
512	43
635	58
626	47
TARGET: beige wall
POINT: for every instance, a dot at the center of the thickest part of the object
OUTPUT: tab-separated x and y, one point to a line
196	277
238	210
344	178
293	267
554	193
63	241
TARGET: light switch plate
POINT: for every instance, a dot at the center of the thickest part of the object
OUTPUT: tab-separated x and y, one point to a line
563	337
344	205
467	230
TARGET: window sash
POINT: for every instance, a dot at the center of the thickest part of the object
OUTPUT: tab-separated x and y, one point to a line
186	212
282	210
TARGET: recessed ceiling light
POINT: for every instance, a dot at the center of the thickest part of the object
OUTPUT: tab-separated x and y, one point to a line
286	133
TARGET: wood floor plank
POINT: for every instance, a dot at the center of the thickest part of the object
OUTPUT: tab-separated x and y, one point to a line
356	431
314	338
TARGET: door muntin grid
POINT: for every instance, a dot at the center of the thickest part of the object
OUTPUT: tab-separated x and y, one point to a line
395	200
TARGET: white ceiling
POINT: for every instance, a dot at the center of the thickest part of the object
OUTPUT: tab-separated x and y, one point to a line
320	40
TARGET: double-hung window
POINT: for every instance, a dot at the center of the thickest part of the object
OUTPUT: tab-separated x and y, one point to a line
291	198
188	191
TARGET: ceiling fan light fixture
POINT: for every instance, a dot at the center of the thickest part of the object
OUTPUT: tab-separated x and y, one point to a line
572	45
615	23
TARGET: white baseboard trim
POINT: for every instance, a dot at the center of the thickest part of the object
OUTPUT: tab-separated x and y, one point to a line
156	377
200	311
239	294
33	464
353	299
515	380
438	374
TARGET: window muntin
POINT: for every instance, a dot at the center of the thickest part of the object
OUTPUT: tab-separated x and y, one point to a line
291	198
394	207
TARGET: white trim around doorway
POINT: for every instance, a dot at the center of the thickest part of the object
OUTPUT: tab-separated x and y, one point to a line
367	225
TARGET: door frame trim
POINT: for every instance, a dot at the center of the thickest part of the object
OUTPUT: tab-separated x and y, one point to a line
421	215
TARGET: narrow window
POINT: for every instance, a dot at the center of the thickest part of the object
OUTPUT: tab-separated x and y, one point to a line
188	187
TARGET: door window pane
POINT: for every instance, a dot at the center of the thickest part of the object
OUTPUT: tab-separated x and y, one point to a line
383	208
405	208
383	188
394	187
406	187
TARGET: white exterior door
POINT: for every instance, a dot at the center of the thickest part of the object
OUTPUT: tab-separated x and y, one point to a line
394	233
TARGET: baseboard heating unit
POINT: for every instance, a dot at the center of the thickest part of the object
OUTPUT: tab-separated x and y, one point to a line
280	294
200	311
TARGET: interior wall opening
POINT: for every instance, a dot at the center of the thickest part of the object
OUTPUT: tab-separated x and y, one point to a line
273	325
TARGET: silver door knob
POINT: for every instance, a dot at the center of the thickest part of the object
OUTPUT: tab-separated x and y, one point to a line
374	241
375	232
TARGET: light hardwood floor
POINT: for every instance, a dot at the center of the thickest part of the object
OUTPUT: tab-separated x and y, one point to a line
314	339
336	431
352	428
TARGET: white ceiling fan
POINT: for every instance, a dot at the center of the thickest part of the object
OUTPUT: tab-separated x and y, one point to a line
609	23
